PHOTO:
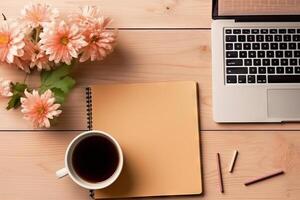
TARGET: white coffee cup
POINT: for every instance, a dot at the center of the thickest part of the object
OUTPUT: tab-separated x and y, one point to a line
69	170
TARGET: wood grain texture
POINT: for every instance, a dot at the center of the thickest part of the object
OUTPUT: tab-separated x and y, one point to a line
134	13
143	56
29	162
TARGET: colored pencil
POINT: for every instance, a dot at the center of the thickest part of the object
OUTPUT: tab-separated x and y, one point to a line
233	160
262	178
220	173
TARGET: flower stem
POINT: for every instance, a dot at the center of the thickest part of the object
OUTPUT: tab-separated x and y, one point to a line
4	17
26	75
37	32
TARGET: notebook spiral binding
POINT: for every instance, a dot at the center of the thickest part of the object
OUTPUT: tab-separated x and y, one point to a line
89	123
89	108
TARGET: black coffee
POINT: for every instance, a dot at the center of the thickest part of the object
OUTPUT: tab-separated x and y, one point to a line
95	159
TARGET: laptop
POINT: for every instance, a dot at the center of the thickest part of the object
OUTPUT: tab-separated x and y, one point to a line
256	60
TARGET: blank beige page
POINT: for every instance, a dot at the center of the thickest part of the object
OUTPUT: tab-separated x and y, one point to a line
156	125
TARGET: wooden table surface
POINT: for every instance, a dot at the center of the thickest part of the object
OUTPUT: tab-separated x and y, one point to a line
159	40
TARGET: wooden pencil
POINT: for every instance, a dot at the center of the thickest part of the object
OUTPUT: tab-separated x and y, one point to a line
220	173
233	160
262	178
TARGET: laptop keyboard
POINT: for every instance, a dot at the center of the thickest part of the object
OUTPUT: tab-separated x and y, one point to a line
262	55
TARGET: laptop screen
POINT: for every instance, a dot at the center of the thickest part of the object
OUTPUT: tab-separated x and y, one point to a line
257	7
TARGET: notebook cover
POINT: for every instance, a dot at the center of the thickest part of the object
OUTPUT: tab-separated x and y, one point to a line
156	125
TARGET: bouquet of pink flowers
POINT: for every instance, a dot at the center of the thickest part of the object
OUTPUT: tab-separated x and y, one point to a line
43	40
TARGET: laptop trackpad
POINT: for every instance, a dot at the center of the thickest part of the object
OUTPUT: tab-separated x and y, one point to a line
284	103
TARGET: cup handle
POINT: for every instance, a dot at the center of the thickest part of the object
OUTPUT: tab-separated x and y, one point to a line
61	173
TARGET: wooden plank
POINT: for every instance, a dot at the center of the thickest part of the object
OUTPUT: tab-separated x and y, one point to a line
145	56
29	160
135	13
28	164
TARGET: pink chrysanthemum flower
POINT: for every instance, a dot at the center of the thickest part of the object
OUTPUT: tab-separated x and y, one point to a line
11	41
86	16
41	61
24	61
36	15
39	109
100	40
5	88
62	42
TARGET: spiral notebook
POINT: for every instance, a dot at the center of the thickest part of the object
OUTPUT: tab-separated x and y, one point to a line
157	127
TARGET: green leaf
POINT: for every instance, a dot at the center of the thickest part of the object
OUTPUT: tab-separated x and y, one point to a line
44	75
14	102
56	75
19	87
18	91
65	84
59	95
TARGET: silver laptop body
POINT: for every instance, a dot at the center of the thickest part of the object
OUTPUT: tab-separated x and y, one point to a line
255	68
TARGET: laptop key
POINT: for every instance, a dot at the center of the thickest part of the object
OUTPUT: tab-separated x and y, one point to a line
289	70
280	70
291	31
271	70
279	54
270	54
243	54
261	54
228	31
278	38
255	46
262	70
236	31
229	46
273	31
293	61
230	38
247	46
237	70
269	38
253	70
231	54
231	79
234	62
257	62
296	38
284	78
254	31
250	38
246	31
259	38
288	54
282	30
283	46
284	62
238	46
275	62
247	62
266	62
297	70
242	79
261	79
242	38
265	46
292	45
264	31
287	38
251	78
274	46
252	54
